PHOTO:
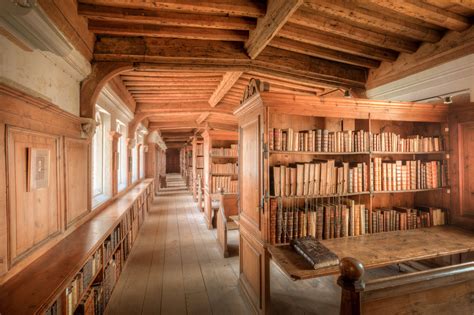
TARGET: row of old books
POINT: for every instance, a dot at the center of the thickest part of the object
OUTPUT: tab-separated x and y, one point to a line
408	175
224	182
344	219
226	152
111	274
319	178
319	140
200	162
224	168
82	281
200	149
392	142
112	241
323	140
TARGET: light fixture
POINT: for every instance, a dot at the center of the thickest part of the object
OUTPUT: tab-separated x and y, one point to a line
347	94
447	100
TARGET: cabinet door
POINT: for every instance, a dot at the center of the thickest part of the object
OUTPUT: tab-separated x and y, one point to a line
467	170
253	255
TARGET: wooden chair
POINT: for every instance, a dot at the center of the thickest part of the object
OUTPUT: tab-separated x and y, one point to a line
227	220
445	290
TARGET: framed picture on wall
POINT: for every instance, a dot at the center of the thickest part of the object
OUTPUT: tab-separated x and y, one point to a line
38	168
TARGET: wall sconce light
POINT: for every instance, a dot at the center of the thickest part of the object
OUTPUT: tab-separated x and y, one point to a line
447	100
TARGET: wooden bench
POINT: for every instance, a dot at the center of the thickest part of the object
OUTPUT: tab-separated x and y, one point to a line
227	220
445	290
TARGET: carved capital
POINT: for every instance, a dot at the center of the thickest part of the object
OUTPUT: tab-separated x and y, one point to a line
88	126
114	135
131	143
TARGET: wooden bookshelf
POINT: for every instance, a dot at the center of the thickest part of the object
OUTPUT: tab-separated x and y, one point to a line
198	163
189	165
219	140
262	111
28	293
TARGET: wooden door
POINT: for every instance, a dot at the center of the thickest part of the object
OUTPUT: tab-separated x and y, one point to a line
253	255
467	169
172	161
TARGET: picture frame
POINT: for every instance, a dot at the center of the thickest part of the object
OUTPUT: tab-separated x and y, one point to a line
38	168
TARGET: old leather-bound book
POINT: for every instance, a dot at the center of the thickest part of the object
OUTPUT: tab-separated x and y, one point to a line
314	252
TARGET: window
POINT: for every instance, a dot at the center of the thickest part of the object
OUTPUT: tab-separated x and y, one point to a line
122	156
142	161
135	161
101	150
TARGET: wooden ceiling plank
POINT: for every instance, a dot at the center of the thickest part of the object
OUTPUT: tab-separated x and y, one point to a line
336	25
235	7
278	12
317	38
172	75
144	16
165	83
267	76
354	12
426	12
127	29
224	86
322	52
215	78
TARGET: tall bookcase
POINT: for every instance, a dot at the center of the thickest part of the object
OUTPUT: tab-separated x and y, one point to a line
189	165
262	206
198	163
220	167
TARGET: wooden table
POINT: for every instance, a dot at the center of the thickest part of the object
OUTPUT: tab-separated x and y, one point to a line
380	249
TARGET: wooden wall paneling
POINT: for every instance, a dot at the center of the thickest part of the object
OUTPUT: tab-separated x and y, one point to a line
467	168
77	178
3	202
34	216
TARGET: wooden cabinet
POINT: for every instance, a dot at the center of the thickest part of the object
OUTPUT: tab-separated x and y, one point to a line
261	112
220	168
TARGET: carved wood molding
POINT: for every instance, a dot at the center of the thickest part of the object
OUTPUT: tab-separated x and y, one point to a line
254	86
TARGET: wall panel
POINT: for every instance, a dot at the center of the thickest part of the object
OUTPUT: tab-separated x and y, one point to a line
77	178
34	215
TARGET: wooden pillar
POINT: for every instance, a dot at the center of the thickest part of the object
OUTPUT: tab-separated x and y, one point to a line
352	284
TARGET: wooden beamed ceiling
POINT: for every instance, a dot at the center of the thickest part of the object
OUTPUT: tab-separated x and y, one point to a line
199	55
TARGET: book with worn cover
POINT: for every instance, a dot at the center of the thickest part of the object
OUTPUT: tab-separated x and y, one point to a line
314	252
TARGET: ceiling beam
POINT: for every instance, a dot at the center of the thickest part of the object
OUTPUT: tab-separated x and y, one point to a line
322	52
182	80
353	12
173	125
426	12
130	29
335	25
278	12
194	54
179	106
228	80
235	7
202	118
148	16
318	38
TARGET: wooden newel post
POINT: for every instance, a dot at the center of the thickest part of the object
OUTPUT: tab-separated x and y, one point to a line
352	284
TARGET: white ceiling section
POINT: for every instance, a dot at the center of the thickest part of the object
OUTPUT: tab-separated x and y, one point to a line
451	78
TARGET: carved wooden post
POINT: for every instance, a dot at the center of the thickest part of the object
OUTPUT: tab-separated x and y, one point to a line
352	284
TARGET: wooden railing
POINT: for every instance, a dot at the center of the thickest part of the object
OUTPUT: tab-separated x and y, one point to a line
445	290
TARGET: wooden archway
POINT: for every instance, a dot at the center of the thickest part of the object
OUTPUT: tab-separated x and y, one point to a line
101	73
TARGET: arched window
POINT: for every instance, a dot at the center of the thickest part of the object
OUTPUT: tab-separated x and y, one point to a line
98	157
101	158
122	156
135	161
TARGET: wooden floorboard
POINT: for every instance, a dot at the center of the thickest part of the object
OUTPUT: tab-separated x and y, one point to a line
176	267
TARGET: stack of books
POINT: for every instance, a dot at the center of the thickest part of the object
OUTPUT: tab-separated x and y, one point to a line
391	142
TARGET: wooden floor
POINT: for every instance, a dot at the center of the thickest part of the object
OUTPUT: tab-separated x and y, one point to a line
176	267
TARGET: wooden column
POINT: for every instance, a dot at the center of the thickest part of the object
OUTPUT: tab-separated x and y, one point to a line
352	284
